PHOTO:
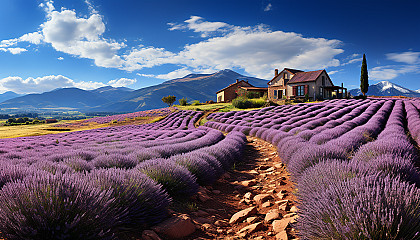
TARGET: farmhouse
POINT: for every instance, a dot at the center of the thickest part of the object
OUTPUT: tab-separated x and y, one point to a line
230	92
293	83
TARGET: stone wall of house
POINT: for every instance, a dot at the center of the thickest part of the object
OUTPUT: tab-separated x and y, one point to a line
230	93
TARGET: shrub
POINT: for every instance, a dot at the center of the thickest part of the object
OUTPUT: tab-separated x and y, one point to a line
241	103
183	101
114	161
56	207
201	169
175	179
51	120
144	200
195	103
258	102
363	208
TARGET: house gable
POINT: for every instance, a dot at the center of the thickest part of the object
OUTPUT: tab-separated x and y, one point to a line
283	77
241	83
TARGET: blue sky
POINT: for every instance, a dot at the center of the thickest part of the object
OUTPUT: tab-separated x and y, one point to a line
137	43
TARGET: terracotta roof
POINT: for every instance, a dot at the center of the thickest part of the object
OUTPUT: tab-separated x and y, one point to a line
305	76
233	84
254	88
294	71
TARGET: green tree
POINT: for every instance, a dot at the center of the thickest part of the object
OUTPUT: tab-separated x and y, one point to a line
169	100
364	78
183	102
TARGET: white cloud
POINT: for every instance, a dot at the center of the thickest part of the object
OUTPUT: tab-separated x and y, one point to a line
179	73
257	50
60	58
197	24
14	50
81	37
268	7
405	57
354	58
88	85
334	72
48	6
122	82
92	9
147	57
382	73
43	84
34	38
391	71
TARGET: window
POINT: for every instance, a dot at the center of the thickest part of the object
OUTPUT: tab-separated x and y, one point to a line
323	81
300	90
286	76
321	91
275	94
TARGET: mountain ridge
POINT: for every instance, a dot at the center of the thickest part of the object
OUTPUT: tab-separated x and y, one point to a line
386	88
202	87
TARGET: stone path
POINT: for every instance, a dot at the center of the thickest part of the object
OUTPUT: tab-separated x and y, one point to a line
254	200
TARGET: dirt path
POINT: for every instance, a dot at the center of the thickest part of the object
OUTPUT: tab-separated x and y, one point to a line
204	116
260	184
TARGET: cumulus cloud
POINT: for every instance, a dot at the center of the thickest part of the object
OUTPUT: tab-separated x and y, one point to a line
81	37
405	57
34	38
257	50
122	82
44	84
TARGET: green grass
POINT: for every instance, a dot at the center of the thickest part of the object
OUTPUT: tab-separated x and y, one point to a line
224	107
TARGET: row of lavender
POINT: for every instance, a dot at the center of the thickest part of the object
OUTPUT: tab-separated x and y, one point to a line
354	165
99	183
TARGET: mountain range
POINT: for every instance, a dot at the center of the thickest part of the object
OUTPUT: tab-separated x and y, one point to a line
386	88
202	87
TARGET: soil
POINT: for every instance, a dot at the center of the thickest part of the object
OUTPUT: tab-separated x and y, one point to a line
227	195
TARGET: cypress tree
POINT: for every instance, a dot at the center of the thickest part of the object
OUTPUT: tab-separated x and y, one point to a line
364	82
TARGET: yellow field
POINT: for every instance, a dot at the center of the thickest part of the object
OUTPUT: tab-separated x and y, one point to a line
73	125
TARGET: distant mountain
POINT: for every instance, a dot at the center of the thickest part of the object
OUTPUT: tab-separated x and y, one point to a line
386	88
64	98
112	93
8	95
202	87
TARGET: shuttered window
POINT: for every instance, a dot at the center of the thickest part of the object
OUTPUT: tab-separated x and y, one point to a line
275	94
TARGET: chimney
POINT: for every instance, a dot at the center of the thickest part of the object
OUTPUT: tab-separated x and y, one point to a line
237	80
276	72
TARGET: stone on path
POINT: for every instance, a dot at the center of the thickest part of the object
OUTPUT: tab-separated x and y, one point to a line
261	198
242	215
150	235
251	229
175	227
282	236
273	214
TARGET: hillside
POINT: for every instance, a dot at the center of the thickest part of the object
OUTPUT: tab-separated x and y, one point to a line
386	88
202	87
8	95
64	98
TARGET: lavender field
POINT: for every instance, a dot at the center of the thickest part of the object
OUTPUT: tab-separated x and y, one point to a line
98	183
355	164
